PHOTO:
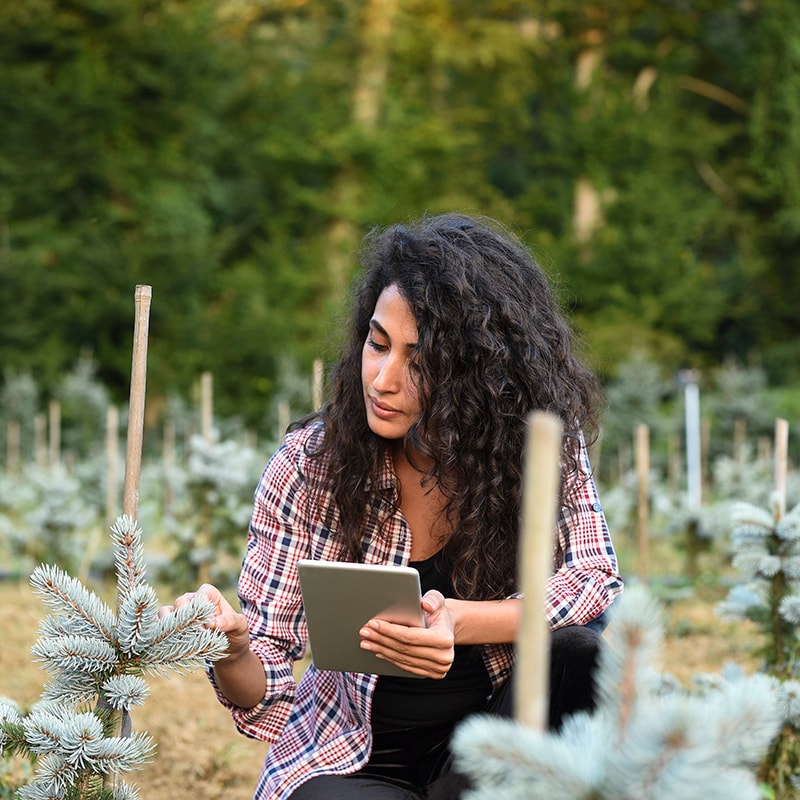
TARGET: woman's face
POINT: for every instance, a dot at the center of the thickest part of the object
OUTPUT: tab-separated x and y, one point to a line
387	367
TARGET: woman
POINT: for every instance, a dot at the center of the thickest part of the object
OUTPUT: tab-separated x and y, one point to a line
417	459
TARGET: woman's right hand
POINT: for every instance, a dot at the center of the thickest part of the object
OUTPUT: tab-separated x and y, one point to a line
225	619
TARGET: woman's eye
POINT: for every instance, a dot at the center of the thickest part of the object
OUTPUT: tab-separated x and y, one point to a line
377	347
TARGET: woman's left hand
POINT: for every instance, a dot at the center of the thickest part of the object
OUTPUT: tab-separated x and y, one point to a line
427	651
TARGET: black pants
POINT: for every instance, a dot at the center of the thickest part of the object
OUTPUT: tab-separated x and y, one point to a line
573	658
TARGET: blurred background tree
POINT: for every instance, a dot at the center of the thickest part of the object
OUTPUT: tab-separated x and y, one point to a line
231	153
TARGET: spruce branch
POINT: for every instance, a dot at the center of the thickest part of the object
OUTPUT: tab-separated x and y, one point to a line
180	643
68	596
65	654
126	538
645	739
71	687
123	692
137	623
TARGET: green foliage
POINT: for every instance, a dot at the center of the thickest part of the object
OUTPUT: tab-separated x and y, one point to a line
84	403
48	516
232	154
211	513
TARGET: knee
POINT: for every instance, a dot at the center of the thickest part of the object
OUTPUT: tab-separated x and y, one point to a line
575	643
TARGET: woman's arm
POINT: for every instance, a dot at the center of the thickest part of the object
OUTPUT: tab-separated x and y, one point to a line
485	621
586	579
240	674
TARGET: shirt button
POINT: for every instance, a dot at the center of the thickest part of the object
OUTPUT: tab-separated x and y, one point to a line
597	507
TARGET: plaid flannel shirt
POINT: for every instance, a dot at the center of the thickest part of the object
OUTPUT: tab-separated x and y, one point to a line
321	725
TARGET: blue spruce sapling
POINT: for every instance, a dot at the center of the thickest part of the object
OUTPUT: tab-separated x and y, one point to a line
79	734
766	552
645	739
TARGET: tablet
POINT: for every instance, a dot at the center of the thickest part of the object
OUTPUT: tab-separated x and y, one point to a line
340	597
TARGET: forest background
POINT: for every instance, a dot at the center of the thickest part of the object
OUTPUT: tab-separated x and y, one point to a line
232	153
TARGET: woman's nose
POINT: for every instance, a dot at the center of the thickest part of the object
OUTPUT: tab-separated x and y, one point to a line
389	375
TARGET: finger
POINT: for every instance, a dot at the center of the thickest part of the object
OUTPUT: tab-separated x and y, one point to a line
165	611
182	600
432	601
391	635
228	622
431	656
436	667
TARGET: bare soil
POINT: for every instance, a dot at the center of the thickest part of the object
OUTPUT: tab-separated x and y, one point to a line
201	756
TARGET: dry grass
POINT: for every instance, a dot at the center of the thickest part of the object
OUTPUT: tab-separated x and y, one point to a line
201	756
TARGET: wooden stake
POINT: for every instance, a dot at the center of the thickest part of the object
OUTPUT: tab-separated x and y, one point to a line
13	439
739	439
133	456
54	456
40	440
284	418
781	464
316	390
539	505
207	405
643	513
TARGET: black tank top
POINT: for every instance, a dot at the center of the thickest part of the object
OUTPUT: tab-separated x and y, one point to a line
422	702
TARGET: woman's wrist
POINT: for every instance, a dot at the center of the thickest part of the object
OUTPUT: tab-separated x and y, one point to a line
484	621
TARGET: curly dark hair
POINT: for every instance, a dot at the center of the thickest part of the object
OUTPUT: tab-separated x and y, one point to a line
492	347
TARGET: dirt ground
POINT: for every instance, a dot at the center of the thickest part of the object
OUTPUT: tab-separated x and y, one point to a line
201	756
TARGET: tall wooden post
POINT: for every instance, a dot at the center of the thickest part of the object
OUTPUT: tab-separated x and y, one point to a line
133	456
316	390
643	506
539	506
781	464
54	442
13	440
207	405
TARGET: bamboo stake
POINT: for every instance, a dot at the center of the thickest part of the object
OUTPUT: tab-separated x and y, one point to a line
13	439
40	440
539	502
284	418
207	405
54	452
133	456
643	516
739	439
316	389
133	465
781	465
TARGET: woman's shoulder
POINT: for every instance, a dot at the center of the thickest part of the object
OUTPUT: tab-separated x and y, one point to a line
303	448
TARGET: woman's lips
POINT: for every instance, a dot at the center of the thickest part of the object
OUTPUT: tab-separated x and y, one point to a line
382	410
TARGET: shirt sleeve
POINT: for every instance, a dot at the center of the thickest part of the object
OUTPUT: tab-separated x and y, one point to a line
269	593
586	578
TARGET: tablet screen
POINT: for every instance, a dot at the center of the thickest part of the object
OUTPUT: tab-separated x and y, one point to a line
340	597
